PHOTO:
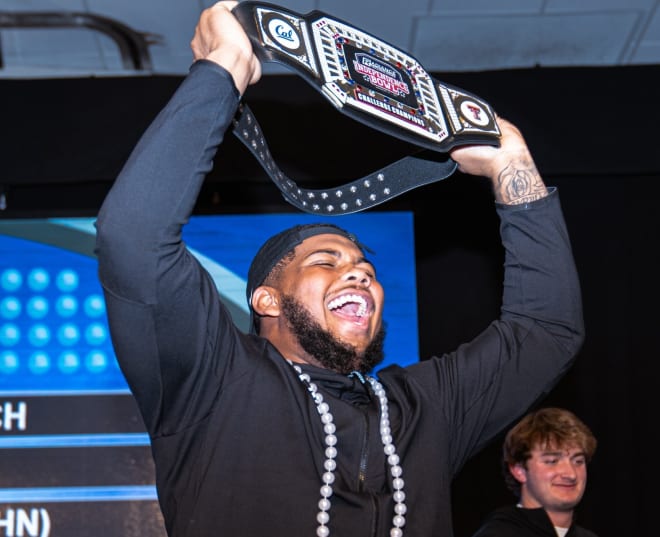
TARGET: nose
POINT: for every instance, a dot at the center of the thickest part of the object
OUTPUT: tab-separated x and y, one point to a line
358	275
568	470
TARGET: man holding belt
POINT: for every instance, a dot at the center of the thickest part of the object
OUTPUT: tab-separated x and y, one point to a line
283	431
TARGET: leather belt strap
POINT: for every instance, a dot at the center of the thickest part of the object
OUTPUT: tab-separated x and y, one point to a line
405	174
372	82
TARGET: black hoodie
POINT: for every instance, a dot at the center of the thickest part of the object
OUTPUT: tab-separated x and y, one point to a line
519	522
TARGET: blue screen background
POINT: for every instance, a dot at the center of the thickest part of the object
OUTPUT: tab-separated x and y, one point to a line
54	335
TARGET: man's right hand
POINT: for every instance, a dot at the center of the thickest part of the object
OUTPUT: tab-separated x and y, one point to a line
220	38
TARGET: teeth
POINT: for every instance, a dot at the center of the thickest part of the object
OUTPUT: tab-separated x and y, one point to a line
344	299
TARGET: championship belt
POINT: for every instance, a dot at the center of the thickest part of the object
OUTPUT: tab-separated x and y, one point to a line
372	82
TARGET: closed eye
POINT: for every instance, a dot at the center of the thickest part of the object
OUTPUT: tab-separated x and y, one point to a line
324	260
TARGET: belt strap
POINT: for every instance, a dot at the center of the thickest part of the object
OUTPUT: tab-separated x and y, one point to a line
372	82
405	174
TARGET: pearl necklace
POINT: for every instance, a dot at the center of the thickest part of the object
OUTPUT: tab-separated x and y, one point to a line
328	477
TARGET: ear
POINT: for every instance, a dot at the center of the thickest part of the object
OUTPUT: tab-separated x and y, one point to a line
519	472
265	301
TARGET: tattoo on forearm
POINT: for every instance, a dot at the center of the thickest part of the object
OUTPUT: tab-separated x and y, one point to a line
519	182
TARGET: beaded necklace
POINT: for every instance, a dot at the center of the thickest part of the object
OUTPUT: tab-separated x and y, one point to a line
328	477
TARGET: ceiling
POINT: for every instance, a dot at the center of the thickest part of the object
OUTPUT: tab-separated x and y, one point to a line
444	35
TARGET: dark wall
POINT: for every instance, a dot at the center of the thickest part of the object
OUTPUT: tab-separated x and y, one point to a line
64	141
594	135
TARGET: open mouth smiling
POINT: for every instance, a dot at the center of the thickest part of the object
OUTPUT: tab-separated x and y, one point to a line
349	305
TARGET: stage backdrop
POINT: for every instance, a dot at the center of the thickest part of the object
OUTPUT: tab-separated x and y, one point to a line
74	456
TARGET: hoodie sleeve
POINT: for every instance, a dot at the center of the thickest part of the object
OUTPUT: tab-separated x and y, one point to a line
163	309
487	383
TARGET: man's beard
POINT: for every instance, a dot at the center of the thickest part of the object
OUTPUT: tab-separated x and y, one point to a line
328	350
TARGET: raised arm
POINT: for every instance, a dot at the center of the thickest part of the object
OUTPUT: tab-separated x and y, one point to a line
163	309
156	191
490	381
